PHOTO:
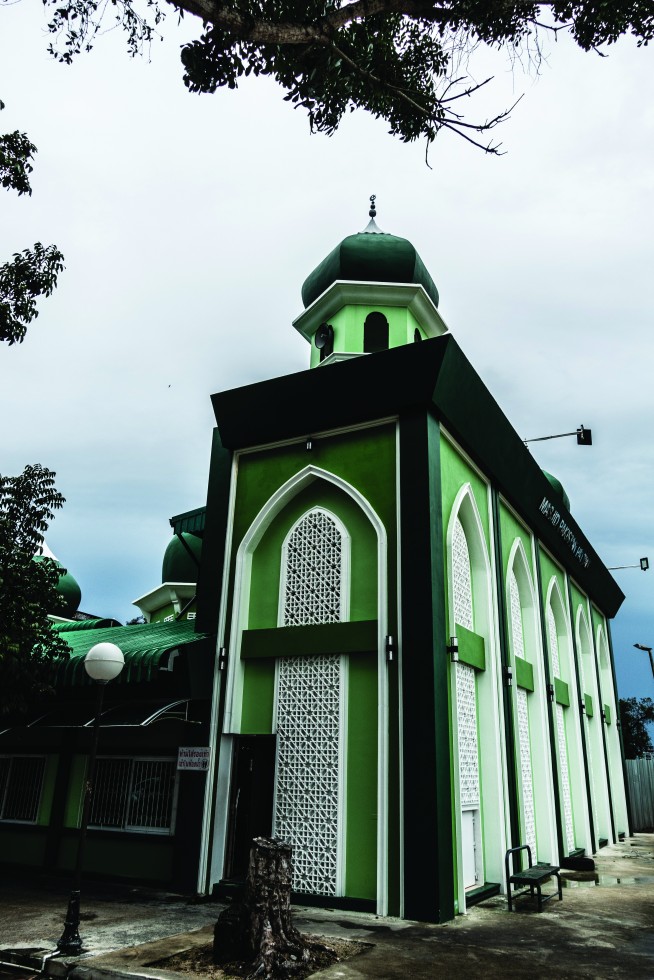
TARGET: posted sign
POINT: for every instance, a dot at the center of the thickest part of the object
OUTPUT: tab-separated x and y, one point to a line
193	757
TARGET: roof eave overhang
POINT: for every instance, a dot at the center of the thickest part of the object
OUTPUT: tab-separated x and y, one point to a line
163	595
436	377
345	292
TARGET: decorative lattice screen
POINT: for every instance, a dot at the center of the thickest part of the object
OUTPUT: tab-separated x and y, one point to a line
461	578
528	814
516	617
466	708
565	778
309	710
307	791
466	687
554	642
313	571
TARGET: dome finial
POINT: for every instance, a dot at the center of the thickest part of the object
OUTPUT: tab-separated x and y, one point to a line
371	228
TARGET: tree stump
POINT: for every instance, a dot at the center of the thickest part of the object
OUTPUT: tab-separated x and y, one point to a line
258	931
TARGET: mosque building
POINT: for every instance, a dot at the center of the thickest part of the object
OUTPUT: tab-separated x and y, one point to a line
399	654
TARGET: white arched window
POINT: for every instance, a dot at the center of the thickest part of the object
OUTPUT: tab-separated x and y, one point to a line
312	571
461	578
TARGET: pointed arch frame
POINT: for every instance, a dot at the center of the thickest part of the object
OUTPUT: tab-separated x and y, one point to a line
240	606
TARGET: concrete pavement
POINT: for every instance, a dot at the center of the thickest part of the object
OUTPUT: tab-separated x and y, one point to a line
601	929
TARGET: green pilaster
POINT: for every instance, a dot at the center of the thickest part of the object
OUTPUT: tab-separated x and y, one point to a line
601	721
509	721
550	683
580	695
428	834
210	576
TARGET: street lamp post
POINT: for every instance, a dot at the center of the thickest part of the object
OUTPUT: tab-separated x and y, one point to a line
639	646
103	663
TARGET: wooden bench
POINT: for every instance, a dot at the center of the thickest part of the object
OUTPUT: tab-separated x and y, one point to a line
532	878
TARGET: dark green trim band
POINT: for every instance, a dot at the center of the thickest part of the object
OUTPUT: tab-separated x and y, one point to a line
471	648
303	641
561	692
416	378
588	704
524	674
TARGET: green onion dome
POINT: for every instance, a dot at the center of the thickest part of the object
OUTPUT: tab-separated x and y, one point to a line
67	587
178	565
558	487
369	256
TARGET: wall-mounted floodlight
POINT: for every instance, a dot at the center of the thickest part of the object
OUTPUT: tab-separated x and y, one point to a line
584	437
643	564
453	649
639	646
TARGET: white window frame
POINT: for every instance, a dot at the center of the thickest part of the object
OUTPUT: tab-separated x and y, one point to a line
3	800
128	828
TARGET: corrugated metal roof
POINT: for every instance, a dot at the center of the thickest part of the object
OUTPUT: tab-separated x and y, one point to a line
145	647
84	624
191	520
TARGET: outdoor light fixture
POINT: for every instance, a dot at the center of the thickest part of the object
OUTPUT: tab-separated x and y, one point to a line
643	564
390	649
639	646
508	675
309	444
582	706
453	649
550	692
103	663
222	658
584	437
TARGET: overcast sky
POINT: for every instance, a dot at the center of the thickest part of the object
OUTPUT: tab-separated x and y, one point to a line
189	223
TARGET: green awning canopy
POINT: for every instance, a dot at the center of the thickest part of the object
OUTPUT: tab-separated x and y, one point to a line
84	624
147	648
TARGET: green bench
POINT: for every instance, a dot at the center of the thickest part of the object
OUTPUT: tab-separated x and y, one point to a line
531	879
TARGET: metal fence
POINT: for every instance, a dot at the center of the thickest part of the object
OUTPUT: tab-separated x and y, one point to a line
640	780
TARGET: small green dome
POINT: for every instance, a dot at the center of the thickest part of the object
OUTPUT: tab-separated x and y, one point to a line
558	487
68	588
369	256
178	565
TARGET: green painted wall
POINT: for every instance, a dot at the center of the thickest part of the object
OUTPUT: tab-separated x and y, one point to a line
361	804
365	459
258	697
455	471
266	561
149	858
348	328
22	847
512	529
550	570
47	792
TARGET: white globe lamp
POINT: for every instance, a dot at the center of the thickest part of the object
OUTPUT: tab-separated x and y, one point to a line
104	662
